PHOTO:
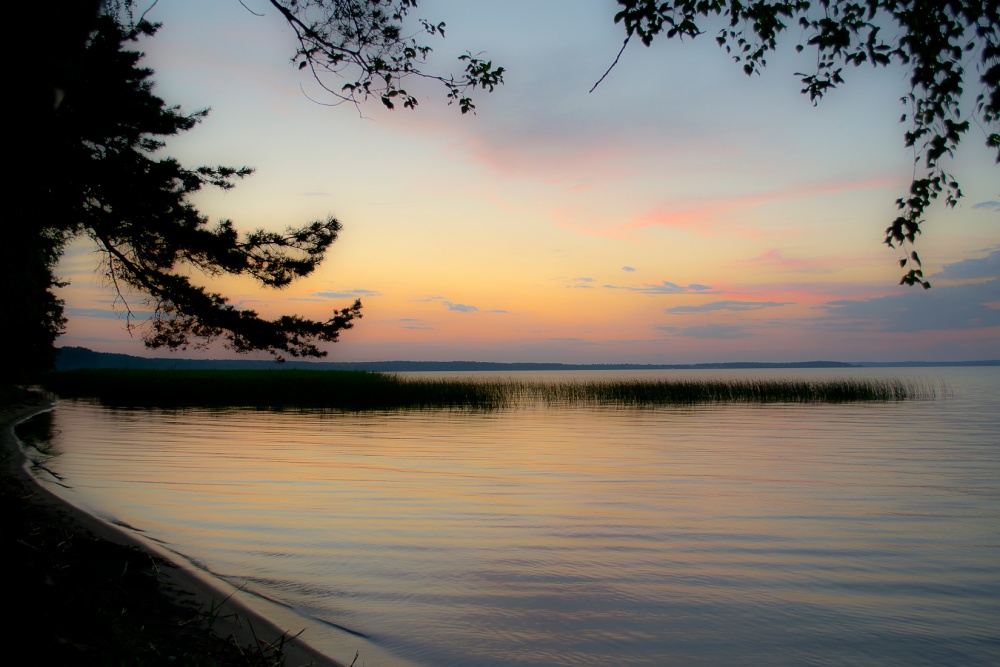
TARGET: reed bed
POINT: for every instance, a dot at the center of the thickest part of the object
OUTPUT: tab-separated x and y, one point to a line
348	390
748	390
358	390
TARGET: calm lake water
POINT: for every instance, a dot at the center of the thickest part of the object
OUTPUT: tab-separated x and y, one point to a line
862	534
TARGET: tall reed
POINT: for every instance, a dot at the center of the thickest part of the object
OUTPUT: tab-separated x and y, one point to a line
743	390
358	390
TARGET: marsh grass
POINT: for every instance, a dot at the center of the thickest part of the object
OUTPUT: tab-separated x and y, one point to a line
359	390
749	390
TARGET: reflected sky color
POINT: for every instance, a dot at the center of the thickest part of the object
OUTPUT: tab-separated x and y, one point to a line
860	534
558	225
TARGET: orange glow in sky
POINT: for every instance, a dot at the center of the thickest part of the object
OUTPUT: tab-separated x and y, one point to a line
680	213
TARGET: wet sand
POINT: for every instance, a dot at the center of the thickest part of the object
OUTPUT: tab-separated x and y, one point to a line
86	592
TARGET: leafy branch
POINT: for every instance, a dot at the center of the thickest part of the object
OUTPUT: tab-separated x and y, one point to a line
136	206
936	41
363	42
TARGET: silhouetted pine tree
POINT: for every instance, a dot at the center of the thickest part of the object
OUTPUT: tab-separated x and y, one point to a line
89	167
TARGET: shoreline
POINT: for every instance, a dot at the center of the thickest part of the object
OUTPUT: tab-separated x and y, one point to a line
58	546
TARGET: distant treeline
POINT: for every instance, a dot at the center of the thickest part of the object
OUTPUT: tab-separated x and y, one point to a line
71	358
361	390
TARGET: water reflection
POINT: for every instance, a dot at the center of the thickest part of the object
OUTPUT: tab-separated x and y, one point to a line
823	534
38	437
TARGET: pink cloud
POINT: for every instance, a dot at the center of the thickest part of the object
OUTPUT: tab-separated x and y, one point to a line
556	159
713	217
703	216
814	294
566	148
776	260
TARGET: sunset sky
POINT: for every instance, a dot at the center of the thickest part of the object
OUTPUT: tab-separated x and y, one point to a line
680	213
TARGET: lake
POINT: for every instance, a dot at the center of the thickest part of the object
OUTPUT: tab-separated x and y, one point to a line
788	534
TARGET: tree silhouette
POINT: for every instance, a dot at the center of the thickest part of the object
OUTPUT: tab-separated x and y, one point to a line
96	173
935	39
356	49
363	42
136	209
85	165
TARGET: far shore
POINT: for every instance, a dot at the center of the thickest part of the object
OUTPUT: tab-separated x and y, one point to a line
70	358
59	554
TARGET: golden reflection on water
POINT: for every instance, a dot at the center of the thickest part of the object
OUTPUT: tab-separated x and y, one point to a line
708	535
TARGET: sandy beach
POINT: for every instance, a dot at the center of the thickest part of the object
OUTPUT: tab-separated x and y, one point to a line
84	592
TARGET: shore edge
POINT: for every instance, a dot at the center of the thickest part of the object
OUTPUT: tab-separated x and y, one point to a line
231	622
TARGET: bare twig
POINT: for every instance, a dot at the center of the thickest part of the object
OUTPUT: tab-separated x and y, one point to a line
248	9
620	52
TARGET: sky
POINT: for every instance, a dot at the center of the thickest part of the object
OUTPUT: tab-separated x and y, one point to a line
681	213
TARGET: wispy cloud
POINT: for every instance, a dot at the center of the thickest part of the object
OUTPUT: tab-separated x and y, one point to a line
714	216
580	283
702	216
108	314
972	269
775	259
348	294
712	331
666	287
726	305
629	269
991	205
414	324
460	307
962	306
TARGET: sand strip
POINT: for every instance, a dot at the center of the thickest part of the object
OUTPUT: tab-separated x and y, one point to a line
234	621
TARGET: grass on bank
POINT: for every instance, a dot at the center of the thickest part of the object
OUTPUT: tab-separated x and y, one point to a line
360	390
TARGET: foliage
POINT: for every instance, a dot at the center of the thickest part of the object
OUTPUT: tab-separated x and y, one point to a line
358	49
33	316
935	40
87	164
99	174
136	208
365	42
